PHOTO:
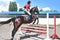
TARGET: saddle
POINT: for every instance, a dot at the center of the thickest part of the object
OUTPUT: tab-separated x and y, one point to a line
27	17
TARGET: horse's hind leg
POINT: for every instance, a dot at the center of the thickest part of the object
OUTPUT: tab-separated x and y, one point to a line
16	27
14	32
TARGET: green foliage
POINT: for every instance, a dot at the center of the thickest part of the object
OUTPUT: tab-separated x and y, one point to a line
12	6
41	10
20	9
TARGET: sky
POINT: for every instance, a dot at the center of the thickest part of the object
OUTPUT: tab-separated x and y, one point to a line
42	4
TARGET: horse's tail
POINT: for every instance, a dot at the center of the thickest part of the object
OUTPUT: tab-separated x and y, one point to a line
6	22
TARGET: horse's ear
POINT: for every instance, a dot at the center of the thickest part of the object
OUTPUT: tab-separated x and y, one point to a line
36	6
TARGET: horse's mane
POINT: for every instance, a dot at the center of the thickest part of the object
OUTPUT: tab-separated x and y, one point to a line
31	10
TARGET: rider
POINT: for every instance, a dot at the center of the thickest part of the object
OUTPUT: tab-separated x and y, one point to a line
27	9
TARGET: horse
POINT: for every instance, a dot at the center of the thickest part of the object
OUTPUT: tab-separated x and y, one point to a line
19	20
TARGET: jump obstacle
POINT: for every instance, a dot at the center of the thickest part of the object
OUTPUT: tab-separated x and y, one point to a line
55	35
36	29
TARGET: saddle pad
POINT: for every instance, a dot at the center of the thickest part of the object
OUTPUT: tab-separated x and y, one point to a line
28	17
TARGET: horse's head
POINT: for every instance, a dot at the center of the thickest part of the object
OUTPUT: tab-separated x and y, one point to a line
34	10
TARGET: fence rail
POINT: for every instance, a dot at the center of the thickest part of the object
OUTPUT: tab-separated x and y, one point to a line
40	15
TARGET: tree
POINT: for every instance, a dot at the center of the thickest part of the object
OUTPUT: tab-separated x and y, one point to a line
20	9
12	6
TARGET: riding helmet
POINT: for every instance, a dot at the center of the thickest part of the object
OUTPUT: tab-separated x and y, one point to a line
29	2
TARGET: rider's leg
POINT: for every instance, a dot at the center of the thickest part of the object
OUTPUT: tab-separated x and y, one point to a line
27	12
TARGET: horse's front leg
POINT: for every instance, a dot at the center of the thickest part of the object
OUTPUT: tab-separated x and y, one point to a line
37	20
34	21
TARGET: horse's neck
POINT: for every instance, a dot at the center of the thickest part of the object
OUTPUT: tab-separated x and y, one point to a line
32	12
32	15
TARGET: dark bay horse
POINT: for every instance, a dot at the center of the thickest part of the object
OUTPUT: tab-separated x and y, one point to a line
19	20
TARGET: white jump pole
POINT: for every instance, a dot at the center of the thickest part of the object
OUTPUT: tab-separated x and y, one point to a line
47	36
